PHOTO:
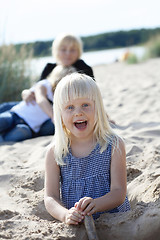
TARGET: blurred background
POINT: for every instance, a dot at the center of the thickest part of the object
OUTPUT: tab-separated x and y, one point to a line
111	31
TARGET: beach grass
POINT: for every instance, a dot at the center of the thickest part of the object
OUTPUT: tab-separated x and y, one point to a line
153	47
14	72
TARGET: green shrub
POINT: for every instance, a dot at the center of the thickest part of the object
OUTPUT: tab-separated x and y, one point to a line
153	47
132	58
14	72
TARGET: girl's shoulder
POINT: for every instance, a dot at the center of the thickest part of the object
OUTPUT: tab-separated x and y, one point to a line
118	145
50	162
50	153
115	141
118	140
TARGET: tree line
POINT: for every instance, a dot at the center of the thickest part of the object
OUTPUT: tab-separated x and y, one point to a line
102	41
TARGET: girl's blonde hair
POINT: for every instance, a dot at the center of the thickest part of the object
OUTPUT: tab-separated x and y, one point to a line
58	73
68	39
76	86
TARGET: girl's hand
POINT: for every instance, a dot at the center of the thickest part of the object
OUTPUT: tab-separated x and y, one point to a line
86	205
28	96
73	216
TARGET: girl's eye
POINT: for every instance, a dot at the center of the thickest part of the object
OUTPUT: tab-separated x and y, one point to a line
85	105
70	107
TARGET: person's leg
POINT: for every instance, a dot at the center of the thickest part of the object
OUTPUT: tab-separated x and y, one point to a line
19	133
6	121
47	128
7	106
13	128
1	139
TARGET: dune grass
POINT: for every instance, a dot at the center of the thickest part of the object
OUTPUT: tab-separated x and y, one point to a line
14	72
153	48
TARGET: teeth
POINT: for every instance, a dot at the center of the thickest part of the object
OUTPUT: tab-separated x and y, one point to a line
80	121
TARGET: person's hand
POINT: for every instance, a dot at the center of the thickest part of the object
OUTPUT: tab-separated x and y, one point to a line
73	216
86	206
28	96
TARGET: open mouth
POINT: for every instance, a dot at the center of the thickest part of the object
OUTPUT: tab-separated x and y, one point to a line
80	124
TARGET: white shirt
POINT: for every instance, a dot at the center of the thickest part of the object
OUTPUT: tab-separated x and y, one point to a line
33	115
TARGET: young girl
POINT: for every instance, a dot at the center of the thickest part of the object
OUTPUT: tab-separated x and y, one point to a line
23	119
85	169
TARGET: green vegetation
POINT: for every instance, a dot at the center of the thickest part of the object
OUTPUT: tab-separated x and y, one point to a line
132	59
153	47
14	72
118	39
39	48
100	41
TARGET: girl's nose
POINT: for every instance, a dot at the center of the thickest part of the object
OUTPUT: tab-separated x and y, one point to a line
78	112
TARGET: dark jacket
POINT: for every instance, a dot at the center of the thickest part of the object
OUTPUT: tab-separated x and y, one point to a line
80	66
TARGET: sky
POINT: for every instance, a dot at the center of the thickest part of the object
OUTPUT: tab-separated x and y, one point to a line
24	21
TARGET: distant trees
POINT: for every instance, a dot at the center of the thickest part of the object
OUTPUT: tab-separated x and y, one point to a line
100	41
39	48
118	39
42	48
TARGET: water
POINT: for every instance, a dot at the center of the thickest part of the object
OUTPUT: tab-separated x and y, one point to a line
91	58
110	56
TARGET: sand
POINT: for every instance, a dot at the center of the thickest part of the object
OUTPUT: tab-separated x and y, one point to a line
130	94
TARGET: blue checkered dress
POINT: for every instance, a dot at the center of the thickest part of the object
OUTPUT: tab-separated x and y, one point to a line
88	176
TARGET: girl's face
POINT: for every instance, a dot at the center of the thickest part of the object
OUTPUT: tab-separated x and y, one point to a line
78	116
67	54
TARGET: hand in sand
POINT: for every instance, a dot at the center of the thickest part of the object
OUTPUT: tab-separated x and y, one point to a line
86	206
73	216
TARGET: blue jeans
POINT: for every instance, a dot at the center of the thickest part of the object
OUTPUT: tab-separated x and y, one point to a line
7	106
13	128
46	129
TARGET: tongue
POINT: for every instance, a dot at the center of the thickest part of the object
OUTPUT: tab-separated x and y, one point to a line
81	125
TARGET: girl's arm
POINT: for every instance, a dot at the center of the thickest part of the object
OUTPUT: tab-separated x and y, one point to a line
117	193
52	193
42	101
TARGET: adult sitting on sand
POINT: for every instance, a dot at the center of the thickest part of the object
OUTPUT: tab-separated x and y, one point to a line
67	50
25	119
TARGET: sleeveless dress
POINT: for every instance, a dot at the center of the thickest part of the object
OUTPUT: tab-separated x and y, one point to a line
88	176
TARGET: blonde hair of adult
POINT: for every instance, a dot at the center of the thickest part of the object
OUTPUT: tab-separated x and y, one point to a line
76	86
68	39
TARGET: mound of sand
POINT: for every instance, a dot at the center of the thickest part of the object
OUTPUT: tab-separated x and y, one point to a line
130	95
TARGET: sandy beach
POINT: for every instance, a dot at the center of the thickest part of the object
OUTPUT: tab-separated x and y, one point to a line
130	94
